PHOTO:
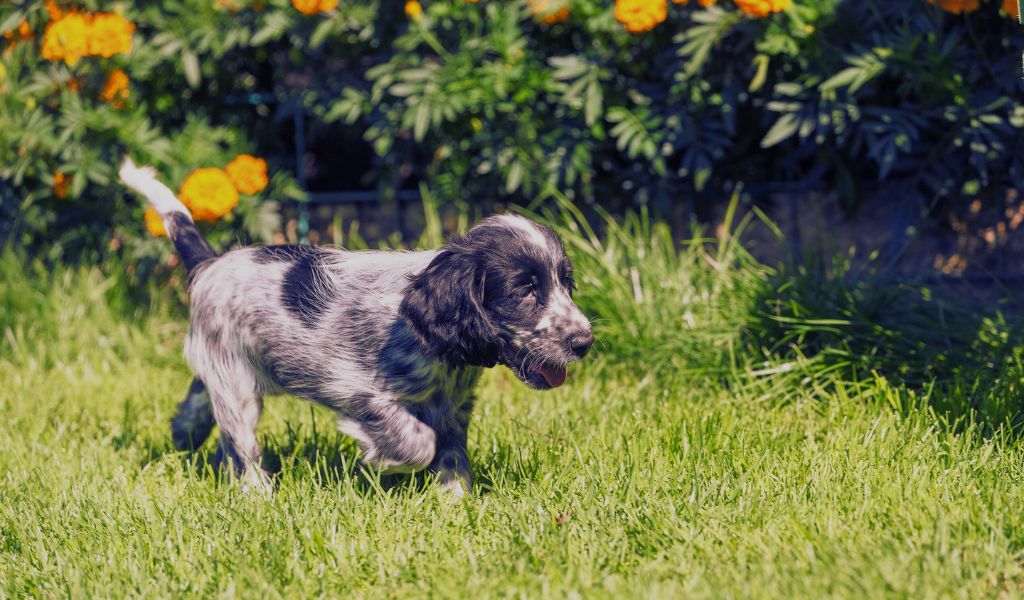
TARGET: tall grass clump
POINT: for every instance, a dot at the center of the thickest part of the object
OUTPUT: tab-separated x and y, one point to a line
705	307
834	319
58	316
662	303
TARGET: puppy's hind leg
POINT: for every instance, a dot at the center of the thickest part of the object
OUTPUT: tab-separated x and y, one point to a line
194	421
237	403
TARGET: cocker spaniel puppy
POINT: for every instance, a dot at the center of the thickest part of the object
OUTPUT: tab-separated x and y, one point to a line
393	342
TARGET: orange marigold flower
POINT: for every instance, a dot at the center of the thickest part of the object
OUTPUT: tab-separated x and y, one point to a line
13	37
22	32
208	194
312	7
248	173
1011	8
110	34
762	8
639	16
154	224
549	12
413	10
958	6
66	39
61	183
74	35
52	10
115	90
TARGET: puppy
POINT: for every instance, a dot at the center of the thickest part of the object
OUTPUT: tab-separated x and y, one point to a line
392	342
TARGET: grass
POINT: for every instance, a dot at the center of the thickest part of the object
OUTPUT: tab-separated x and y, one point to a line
740	432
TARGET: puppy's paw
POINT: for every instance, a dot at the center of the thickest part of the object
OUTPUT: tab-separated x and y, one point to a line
454	489
257	483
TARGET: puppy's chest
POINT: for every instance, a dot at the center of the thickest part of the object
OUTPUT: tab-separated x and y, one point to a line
437	384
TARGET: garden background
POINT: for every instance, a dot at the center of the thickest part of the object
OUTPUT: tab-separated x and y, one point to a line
795	225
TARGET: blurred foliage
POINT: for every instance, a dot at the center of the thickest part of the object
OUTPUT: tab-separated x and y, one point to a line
505	101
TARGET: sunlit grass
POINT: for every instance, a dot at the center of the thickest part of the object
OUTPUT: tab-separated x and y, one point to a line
733	436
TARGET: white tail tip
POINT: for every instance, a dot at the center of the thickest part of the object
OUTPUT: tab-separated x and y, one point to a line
136	177
144	181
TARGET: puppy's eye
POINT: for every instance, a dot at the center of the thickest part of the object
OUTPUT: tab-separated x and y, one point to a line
529	287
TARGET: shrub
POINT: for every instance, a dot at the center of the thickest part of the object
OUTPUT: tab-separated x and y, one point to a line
614	103
81	87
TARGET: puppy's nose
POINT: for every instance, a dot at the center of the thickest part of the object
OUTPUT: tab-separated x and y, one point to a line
580	343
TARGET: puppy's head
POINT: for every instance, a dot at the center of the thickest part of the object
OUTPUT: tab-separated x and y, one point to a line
502	293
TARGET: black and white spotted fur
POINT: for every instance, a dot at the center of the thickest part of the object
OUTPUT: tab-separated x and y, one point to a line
393	342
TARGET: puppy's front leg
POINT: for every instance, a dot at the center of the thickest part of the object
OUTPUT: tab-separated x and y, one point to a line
392	439
454	472
451	462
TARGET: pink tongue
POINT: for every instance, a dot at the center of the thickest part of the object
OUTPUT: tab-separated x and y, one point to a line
555	376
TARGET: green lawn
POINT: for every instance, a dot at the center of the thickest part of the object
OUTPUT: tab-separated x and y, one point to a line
740	432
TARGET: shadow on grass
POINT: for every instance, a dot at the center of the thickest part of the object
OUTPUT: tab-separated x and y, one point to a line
327	460
958	347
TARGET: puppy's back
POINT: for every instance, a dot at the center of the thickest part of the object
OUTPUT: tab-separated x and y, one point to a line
331	310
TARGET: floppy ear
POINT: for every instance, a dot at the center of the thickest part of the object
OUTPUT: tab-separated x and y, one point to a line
444	308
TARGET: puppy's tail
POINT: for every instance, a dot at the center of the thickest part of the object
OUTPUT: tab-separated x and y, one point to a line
190	244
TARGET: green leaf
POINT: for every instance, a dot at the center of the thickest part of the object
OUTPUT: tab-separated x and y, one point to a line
190	63
568	67
783	129
421	122
595	98
761	75
321	33
515	176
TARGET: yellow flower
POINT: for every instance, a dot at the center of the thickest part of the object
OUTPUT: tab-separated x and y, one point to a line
74	35
703	3
66	39
208	194
115	90
110	34
762	8
639	16
549	12
312	7
61	183
248	173
413	10
1010	7
154	224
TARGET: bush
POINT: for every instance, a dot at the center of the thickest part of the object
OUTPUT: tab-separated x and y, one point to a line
504	102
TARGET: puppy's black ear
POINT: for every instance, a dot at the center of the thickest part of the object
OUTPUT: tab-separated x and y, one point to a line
444	308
